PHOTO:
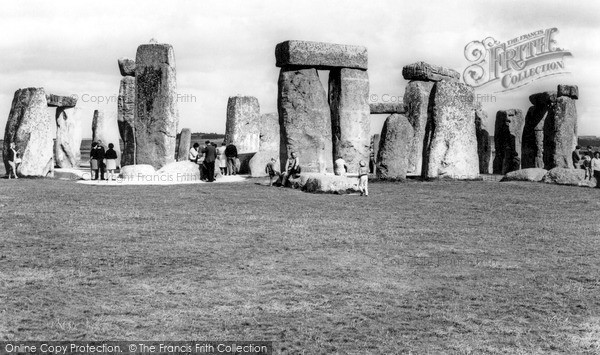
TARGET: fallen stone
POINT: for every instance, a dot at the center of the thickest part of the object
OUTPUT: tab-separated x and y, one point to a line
573	177
305	120
416	97
350	115
426	72
571	91
242	126
560	134
484	148
268	146
138	173
67	147
387	108
451	141
507	141
184	143
181	171
71	174
392	157
156	111
106	130
325	183
126	119
32	129
61	101
320	55
530	174
126	66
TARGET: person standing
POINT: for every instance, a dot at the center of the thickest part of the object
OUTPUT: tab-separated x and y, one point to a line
363	179
222	159
292	168
210	155
576	156
100	156
595	166
231	153
111	161
13	160
94	161
340	167
271	170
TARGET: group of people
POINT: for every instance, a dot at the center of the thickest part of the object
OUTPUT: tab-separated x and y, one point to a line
207	157
102	160
589	161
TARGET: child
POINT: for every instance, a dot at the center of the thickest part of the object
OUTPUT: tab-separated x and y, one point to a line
271	170
587	165
363	179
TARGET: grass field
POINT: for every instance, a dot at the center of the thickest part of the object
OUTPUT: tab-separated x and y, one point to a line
423	268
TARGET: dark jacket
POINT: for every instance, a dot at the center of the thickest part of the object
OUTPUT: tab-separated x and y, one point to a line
231	151
110	154
210	153
10	156
98	153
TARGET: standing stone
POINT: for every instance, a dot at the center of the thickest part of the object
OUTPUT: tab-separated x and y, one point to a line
242	126
532	145
304	120
560	134
507	141
416	98
126	118
32	129
484	149
106	129
350	115
67	148
269	144
451	141
392	155
320	55
156	113
184	143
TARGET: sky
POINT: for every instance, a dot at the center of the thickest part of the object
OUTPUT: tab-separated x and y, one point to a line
226	48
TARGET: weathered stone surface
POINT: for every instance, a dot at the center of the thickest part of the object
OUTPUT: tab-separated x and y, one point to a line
416	98
181	171
32	129
106	129
243	123
350	115
269	144
426	72
139	173
571	91
387	108
573	177
532	144
507	140
484	149
325	183
156	112
184	143
392	157
67	147
126	66
61	101
320	55
560	134
304	120
126	118
531	174
451	141
376	139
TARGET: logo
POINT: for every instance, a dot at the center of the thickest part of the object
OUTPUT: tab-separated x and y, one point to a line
516	62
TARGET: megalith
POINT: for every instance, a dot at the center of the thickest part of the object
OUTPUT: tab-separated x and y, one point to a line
560	133
450	138
416	99
184	143
156	112
532	144
484	149
67	147
126	66
126	118
304	120
387	108
427	72
320	55
61	101
106	129
507	140
350	115
268	146
394	145
242	125
32	129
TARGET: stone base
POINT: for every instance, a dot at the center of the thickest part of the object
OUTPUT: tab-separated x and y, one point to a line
572	177
325	183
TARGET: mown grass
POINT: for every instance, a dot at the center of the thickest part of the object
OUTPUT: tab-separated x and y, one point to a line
421	267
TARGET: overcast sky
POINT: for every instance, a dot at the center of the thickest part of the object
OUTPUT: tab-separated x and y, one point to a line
224	48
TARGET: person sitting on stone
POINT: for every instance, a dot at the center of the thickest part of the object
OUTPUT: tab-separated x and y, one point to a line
340	167
292	168
363	178
13	160
111	161
576	158
272	171
193	156
231	153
